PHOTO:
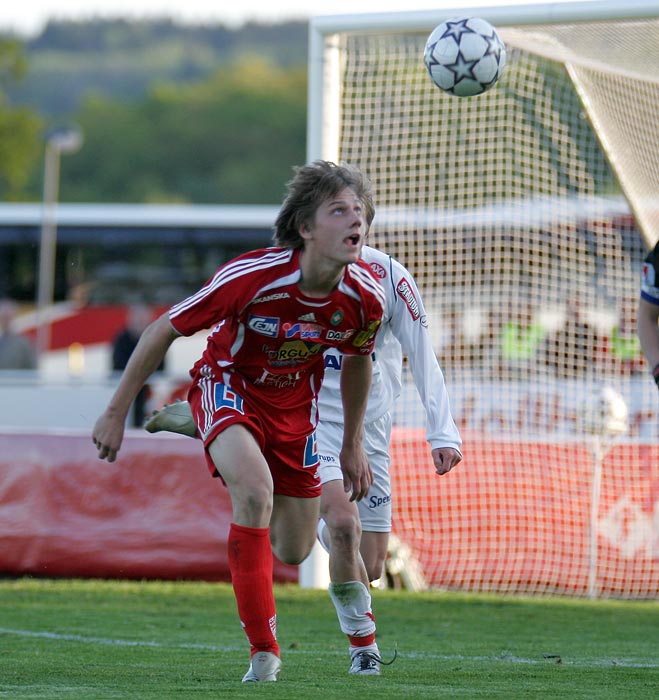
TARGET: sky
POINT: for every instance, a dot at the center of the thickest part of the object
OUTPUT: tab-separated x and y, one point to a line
27	17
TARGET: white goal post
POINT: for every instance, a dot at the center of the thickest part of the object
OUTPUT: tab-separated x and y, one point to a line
524	215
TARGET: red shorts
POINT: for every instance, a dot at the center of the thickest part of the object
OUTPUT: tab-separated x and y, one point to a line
287	439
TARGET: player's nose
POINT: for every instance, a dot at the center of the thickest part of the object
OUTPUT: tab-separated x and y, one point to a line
357	218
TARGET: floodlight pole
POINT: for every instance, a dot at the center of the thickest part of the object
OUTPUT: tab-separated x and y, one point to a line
57	142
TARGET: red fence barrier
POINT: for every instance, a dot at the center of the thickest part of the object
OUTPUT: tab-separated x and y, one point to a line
519	517
155	513
513	517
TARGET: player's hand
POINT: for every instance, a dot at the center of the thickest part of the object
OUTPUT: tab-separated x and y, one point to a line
445	458
108	435
357	473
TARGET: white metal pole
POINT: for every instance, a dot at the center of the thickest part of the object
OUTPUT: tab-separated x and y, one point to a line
314	570
502	15
315	102
323	104
322	142
47	246
598	451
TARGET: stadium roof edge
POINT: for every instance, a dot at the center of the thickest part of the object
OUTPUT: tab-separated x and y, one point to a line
200	215
537	211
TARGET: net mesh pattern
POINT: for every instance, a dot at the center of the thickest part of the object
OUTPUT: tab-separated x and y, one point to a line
524	215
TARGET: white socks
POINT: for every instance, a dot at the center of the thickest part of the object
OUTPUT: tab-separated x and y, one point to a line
352	601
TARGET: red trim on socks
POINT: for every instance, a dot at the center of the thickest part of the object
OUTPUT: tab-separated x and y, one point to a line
363	641
251	564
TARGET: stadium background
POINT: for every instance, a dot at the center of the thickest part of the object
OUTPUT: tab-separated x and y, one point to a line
512	209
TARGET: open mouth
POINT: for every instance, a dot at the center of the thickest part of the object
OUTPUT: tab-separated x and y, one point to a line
354	239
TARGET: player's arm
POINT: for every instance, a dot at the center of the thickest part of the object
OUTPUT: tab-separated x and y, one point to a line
150	350
356	372
409	326
648	334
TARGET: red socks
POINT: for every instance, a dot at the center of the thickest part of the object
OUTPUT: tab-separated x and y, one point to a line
250	561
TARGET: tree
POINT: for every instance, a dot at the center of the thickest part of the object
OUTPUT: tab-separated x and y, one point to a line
230	139
20	128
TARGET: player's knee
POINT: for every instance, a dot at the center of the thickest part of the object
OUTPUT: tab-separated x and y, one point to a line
345	530
253	504
293	558
291	551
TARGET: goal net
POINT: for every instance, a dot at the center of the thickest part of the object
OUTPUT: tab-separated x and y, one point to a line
524	215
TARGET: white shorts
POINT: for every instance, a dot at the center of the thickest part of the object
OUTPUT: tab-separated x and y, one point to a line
375	509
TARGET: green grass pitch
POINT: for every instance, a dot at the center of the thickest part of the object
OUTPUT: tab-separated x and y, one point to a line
110	640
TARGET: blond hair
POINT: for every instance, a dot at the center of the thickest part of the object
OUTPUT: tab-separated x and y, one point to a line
312	185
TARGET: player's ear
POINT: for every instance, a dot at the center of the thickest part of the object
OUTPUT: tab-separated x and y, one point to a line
305	232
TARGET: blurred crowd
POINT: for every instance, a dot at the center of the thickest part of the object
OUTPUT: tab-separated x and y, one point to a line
523	341
518	342
16	350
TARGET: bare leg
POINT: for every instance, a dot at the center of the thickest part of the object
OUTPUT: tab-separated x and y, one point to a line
349	587
342	519
373	549
239	460
293	527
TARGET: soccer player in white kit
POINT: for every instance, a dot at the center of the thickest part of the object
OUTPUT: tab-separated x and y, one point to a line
349	528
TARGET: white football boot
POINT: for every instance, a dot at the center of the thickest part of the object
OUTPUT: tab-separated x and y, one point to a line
173	418
263	667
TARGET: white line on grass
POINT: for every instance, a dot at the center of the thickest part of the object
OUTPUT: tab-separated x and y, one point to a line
505	658
114	642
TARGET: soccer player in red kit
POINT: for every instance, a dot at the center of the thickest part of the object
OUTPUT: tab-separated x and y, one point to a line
253	393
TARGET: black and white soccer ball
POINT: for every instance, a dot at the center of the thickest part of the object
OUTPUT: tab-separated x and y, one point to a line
465	56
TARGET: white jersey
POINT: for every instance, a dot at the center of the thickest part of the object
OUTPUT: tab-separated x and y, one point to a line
404	330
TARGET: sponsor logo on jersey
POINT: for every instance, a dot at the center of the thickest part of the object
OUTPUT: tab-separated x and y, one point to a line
293	352
264	325
305	331
272	297
407	295
337	317
364	336
333	361
380	272
307	317
340	335
278	381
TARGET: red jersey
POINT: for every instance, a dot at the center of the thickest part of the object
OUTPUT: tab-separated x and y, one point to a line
267	338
